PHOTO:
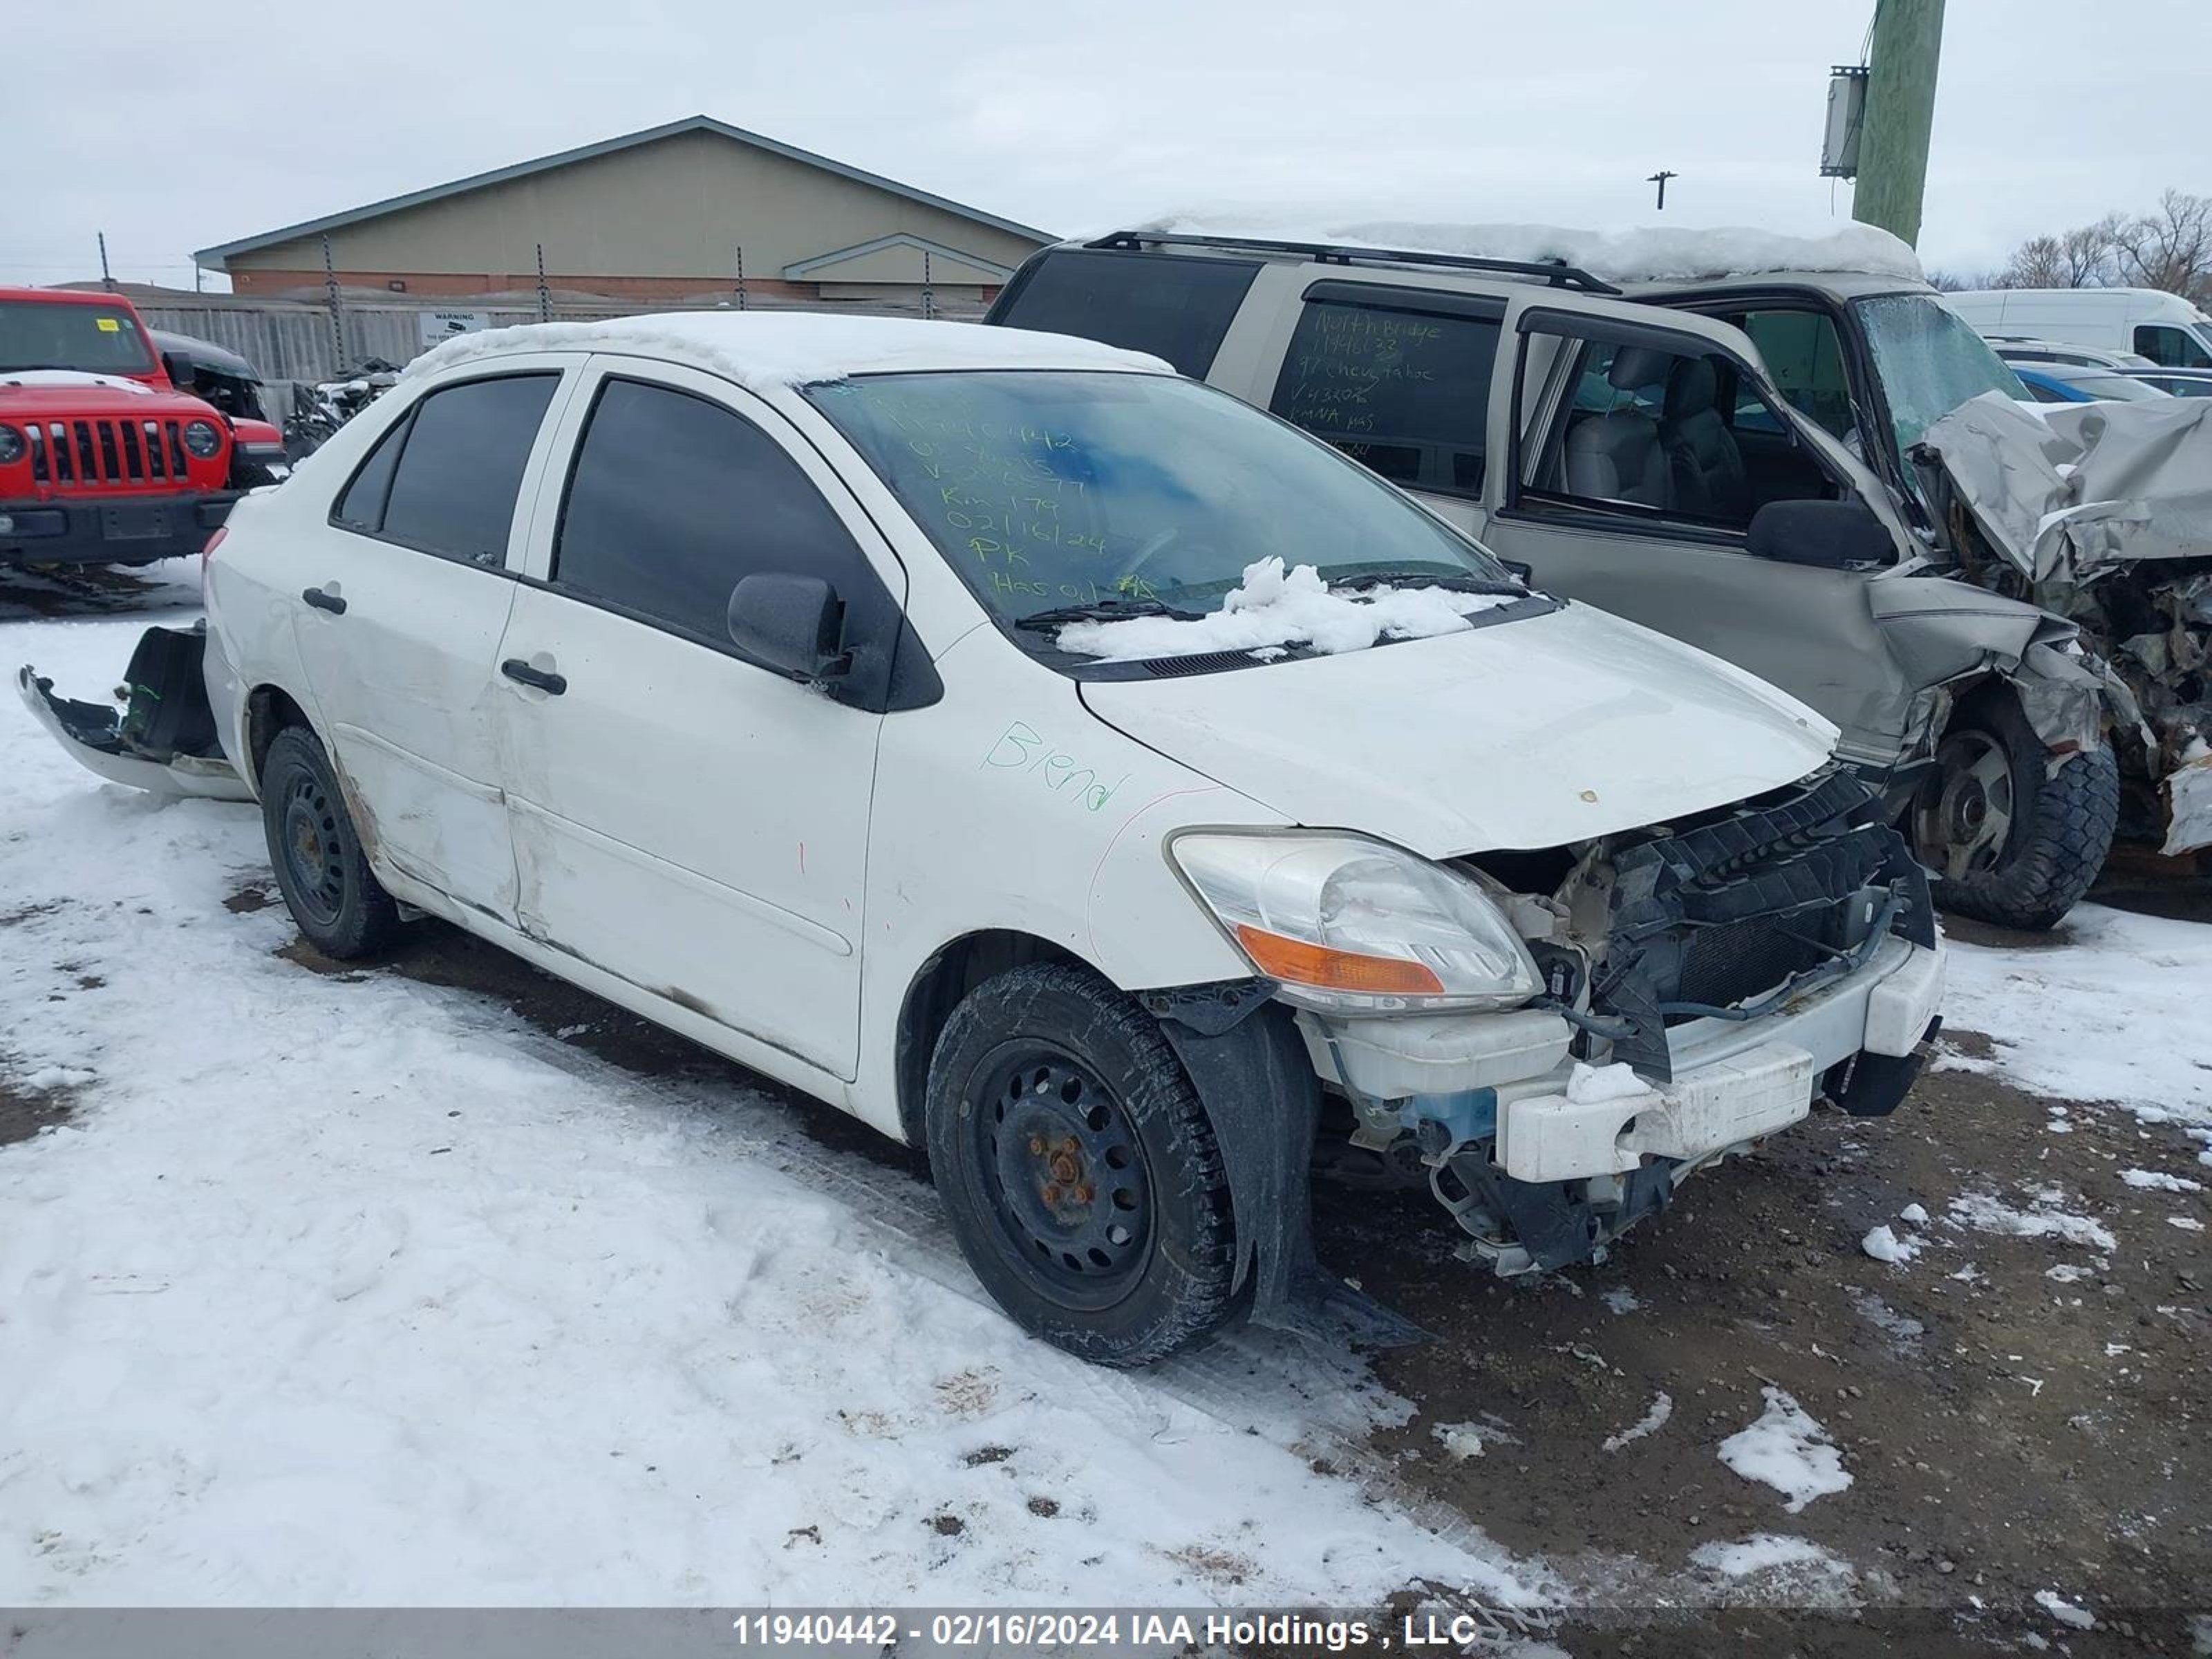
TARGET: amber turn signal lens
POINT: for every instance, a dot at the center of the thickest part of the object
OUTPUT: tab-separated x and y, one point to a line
1301	963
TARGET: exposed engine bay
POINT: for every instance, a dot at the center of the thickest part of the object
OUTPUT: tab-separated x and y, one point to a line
1704	981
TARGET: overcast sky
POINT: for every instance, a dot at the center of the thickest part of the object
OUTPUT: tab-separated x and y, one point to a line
171	137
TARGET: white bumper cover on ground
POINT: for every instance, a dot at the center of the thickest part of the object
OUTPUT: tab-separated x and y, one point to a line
1734	1081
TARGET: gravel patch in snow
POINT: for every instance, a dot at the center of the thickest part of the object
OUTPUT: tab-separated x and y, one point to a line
1788	1451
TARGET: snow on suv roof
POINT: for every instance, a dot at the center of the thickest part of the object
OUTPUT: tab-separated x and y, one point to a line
771	350
1624	255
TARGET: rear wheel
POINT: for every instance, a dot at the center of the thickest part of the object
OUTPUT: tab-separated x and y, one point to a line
2012	843
1079	1169
341	907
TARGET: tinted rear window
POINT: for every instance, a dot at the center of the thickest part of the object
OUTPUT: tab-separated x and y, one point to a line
454	492
1174	305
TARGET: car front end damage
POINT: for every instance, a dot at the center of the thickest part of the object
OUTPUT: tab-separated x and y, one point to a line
2102	513
1703	984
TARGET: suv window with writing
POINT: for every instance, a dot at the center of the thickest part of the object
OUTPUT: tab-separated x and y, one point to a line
66	334
2170	347
674	500
1674	436
460	466
1404	391
1175	306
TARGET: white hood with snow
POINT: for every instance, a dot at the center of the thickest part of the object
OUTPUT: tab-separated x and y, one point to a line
1531	732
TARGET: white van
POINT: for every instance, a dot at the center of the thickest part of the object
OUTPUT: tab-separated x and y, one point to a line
2150	322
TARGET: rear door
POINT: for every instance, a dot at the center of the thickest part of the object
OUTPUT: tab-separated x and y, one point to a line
681	818
1630	449
398	606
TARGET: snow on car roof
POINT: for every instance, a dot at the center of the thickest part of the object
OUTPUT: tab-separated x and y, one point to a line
1645	254
771	350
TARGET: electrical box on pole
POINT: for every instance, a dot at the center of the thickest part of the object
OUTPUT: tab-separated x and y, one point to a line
1839	145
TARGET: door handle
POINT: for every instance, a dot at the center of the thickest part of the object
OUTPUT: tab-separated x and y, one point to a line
322	601
515	669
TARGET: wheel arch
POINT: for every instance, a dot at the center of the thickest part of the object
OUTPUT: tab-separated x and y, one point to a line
950	971
269	709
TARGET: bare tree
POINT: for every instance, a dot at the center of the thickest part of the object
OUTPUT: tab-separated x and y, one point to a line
2086	257
2171	248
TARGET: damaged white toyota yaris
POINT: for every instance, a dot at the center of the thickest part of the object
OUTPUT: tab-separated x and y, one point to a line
1056	762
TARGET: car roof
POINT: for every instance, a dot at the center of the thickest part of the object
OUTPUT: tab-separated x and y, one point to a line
768	351
221	359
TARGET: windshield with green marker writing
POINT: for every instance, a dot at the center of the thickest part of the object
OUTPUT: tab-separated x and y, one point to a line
1057	493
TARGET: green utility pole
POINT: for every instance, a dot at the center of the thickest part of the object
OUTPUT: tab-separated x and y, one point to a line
1901	109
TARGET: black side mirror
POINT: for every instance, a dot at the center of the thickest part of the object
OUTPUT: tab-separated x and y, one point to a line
180	368
1827	535
791	625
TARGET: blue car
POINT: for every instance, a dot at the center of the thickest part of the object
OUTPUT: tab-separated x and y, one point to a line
2070	383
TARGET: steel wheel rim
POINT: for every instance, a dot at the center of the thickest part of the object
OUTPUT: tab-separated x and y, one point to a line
1964	819
310	842
1063	1176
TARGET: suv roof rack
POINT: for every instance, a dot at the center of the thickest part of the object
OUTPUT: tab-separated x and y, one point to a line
1557	272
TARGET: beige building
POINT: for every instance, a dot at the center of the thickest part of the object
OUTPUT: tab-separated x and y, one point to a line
662	215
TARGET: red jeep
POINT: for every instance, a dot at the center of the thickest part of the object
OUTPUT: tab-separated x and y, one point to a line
104	458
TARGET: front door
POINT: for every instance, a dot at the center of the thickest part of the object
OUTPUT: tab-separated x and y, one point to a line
683	818
399	608
1627	456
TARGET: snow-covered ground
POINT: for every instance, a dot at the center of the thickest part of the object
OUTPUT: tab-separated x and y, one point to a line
353	1290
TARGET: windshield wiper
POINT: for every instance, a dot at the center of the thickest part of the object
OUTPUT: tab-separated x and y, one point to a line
1413	576
1104	610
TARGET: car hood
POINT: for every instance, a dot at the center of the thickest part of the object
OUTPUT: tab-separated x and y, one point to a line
2068	490
1533	730
98	396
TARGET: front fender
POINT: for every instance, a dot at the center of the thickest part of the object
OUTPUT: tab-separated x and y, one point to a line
1945	634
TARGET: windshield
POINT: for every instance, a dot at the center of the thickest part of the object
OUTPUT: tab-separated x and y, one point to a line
1928	361
55	334
1048	490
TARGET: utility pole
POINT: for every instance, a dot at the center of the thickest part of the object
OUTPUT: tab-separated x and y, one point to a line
545	300
106	281
1660	179
337	316
1902	53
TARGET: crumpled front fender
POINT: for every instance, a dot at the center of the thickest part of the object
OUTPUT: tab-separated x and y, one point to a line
1946	633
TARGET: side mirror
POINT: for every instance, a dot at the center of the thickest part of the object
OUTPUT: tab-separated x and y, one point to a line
180	368
1520	570
791	625
1827	535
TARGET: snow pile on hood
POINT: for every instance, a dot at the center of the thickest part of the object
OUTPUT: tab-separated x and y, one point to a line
768	351
1273	607
1788	1450
30	378
1642	255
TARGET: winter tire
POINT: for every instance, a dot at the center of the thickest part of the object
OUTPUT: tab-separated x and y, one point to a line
341	907
1079	1168
2010	843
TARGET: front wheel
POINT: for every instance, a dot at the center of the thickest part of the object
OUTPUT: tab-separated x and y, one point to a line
2011	842
1079	1168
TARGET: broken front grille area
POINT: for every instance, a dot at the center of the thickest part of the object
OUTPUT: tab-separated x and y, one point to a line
1713	916
105	452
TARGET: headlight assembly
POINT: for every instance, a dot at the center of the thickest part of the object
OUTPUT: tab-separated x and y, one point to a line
1357	926
202	439
11	446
